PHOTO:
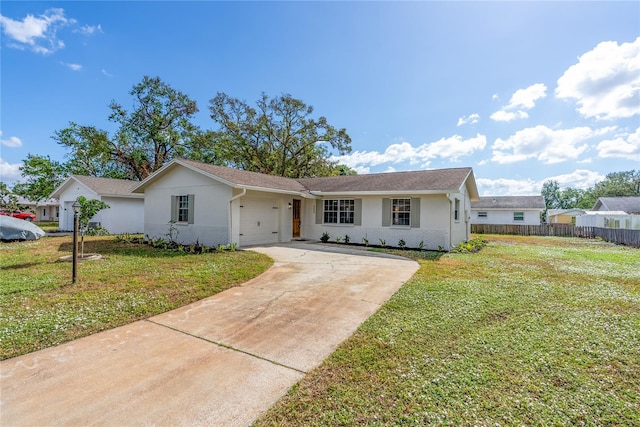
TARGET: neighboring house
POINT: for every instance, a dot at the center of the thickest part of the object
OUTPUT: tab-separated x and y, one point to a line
609	219
630	205
507	210
216	205
126	209
45	210
563	216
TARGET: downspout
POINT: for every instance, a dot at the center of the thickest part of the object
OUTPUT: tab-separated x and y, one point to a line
450	222
237	196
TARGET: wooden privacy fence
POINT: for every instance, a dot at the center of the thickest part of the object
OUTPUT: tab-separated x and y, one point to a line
619	236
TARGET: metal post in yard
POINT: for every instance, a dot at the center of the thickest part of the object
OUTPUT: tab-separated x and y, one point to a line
76	214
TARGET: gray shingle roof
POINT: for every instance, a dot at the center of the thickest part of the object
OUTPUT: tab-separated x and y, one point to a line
629	204
427	180
246	178
509	202
440	180
108	186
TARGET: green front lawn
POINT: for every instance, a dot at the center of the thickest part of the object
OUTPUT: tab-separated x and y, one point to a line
528	331
39	307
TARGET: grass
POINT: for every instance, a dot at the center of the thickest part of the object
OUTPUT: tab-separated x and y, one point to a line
47	225
39	307
528	331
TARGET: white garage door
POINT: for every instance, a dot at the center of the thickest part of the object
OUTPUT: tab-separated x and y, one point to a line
258	221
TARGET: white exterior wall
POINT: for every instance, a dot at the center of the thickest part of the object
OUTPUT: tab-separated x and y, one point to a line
125	215
67	198
505	216
631	222
460	228
435	229
211	208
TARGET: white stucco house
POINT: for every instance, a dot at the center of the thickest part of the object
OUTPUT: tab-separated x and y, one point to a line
126	209
524	210
628	204
216	205
45	210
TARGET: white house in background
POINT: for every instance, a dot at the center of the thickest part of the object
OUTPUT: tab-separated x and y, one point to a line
629	205
524	210
45	210
126	212
217	205
609	219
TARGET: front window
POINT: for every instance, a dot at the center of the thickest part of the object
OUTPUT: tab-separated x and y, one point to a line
482	214
183	208
456	212
401	211
518	216
339	211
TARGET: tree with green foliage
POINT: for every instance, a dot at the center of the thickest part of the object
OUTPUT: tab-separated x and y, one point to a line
42	175
551	194
8	200
615	184
157	129
618	184
277	137
88	209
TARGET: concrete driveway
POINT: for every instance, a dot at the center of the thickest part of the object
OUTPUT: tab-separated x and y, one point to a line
221	361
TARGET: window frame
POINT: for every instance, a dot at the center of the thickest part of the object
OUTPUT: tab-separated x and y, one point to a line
401	212
182	209
456	210
518	216
483	214
339	211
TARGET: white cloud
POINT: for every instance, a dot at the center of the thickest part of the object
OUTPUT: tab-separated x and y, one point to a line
526	98
605	82
9	173
450	148
507	187
72	67
106	73
507	116
12	141
88	30
472	119
626	146
36	33
580	179
522	99
544	144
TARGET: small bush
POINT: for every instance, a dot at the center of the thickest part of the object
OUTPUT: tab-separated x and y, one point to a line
347	239
473	245
97	231
325	237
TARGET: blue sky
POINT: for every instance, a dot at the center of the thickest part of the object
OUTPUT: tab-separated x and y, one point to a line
522	92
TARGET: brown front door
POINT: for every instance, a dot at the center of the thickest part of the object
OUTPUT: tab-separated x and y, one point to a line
296	218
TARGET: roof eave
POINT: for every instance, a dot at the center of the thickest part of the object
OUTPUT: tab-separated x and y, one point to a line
382	193
61	187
